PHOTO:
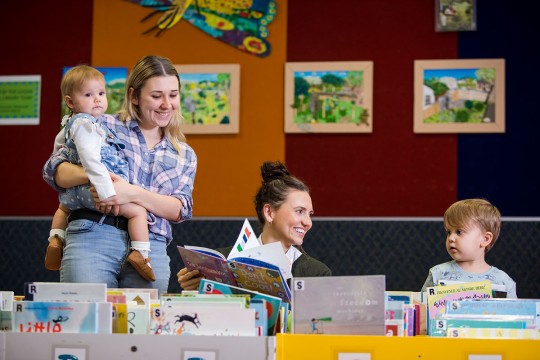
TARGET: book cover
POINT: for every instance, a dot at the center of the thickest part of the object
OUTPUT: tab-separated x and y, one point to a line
247	272
261	316
104	317
132	293
405	296
55	317
420	318
497	290
410	316
394	317
272	303
212	267
525	309
119	311
191	319
249	275
489	333
228	300
339	305
6	310
51	291
443	324
138	318
268	255
438	296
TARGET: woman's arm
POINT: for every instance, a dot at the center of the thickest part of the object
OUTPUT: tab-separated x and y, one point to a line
163	206
69	175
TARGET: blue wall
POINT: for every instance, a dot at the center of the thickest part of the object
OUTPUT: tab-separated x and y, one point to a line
504	167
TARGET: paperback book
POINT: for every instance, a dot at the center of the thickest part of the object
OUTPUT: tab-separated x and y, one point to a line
273	303
57	317
224	300
249	272
56	291
339	305
394	317
439	296
489	333
119	311
192	319
261	316
497	290
6	310
138	318
527	310
444	324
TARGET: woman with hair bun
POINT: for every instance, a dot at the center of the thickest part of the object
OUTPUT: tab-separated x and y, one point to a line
284	210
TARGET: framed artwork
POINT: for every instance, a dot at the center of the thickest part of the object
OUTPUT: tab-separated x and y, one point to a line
329	97
20	98
455	15
115	86
459	96
209	97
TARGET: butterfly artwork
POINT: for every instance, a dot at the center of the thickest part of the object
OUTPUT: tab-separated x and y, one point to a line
239	23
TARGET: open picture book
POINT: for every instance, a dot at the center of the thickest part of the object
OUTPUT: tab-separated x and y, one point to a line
262	268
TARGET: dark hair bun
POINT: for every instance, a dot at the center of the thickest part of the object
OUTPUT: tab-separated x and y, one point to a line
273	170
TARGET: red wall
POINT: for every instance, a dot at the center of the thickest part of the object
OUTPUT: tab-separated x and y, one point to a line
35	43
391	172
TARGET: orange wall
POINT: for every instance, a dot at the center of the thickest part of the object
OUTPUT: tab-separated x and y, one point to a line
228	169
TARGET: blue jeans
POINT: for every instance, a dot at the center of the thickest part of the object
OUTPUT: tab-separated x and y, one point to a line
96	253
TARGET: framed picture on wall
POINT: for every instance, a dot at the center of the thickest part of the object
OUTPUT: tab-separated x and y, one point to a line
459	96
455	15
329	97
20	99
210	98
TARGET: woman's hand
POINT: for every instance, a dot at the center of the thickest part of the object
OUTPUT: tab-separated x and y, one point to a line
112	210
189	280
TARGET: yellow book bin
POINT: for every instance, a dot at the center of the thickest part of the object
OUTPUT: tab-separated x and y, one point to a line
349	347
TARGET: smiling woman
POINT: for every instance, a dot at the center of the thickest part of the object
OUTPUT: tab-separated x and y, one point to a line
284	209
161	173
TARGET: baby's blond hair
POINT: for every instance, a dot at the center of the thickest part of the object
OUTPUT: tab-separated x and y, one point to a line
76	76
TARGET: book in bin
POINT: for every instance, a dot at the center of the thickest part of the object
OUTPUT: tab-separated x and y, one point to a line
272	303
62	317
264	268
339	305
439	296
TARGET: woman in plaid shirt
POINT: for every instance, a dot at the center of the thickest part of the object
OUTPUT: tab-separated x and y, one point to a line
162	171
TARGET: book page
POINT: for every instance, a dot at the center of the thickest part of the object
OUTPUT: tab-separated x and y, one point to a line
271	253
207	251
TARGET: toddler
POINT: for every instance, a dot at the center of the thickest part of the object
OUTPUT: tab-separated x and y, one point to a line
472	227
95	147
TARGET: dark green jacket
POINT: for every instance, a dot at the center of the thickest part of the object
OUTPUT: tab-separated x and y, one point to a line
304	266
